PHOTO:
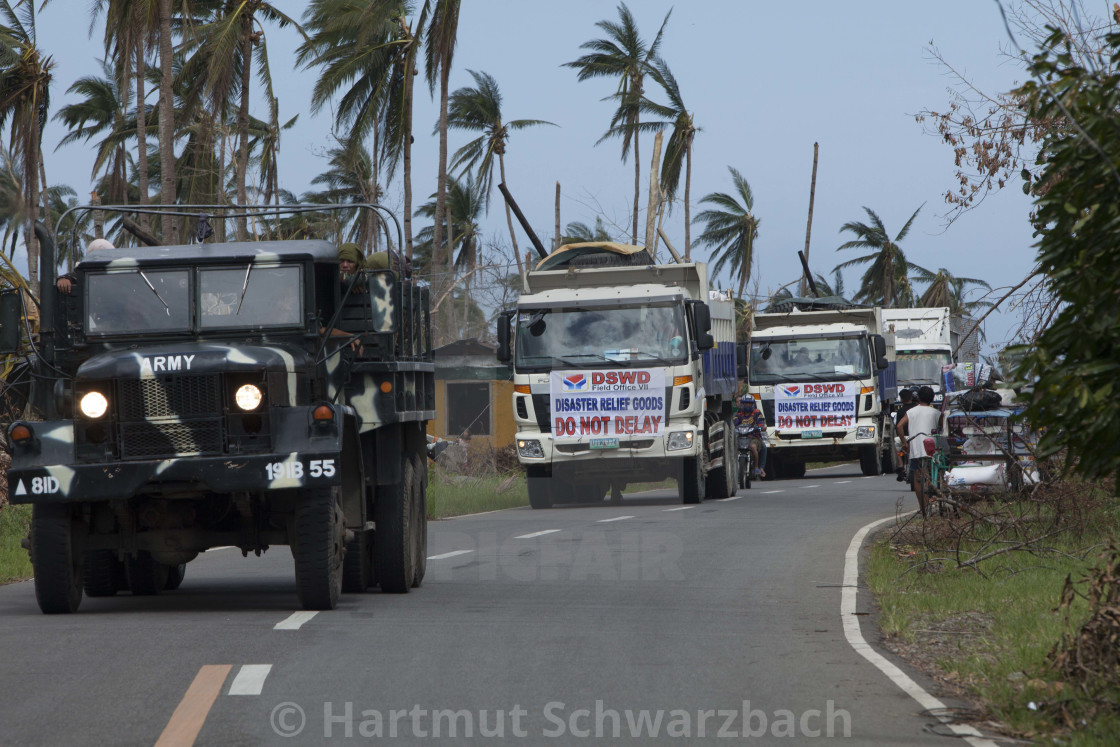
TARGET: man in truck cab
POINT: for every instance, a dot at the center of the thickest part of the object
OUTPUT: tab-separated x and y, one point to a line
749	415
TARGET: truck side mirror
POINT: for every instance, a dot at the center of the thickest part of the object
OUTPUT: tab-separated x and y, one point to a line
741	360
503	337
702	320
11	313
883	363
880	343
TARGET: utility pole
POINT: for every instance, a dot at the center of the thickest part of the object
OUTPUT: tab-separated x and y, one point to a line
809	224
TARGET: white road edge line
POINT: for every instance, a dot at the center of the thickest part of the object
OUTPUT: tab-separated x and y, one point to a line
679	508
531	535
447	555
614	518
250	679
223	547
295	621
855	638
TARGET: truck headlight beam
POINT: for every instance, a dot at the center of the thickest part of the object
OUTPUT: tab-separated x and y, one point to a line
94	405
248	397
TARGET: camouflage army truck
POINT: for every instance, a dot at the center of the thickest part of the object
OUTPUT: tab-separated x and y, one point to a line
223	394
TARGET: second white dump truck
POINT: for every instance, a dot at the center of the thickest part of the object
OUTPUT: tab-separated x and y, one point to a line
825	379
624	371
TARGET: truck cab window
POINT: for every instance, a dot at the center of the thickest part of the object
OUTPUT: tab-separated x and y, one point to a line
125	303
262	297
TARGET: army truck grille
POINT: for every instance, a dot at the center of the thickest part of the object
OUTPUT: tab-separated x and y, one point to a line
175	416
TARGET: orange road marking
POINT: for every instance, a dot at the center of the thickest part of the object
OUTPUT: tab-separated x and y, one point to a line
190	715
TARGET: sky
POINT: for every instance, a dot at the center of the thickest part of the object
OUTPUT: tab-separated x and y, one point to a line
764	81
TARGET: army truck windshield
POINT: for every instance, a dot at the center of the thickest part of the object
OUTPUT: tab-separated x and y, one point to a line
209	394
589	337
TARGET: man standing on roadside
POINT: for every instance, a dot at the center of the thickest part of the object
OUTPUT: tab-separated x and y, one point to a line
906	396
919	423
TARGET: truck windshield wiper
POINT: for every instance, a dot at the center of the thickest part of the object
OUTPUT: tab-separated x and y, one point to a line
597	356
149	282
244	287
648	355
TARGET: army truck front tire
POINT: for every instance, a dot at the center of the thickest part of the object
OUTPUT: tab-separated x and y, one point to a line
420	519
103	573
57	563
318	547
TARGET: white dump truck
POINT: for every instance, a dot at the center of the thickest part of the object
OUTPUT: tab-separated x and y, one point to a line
624	371
825	379
927	341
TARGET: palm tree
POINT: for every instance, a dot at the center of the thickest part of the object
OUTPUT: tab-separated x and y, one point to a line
170	224
577	232
25	76
886	282
479	109
730	229
102	110
367	49
946	289
623	55
350	179
678	151
439	50
463	212
224	49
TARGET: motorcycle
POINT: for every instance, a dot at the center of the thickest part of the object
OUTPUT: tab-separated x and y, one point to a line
746	458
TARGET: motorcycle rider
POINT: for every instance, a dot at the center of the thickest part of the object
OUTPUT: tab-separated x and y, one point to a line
748	414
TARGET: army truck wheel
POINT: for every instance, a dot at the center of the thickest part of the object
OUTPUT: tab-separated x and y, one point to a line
58	567
690	484
320	535
144	575
175	576
721	480
102	573
420	519
357	566
540	489
394	535
869	461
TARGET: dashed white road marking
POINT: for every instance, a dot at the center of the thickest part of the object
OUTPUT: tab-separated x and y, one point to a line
768	492
250	679
531	535
841	482
850	621
613	518
295	621
680	508
725	500
446	555
810	486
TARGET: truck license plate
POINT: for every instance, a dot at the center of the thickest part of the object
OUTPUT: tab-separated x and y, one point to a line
604	443
811	434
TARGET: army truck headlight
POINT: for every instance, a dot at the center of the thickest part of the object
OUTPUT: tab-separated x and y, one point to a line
248	397
94	405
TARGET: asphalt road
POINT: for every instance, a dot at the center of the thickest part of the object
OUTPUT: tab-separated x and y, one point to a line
712	622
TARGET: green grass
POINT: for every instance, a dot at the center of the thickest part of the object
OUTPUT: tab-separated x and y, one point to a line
1005	665
14	562
455	495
